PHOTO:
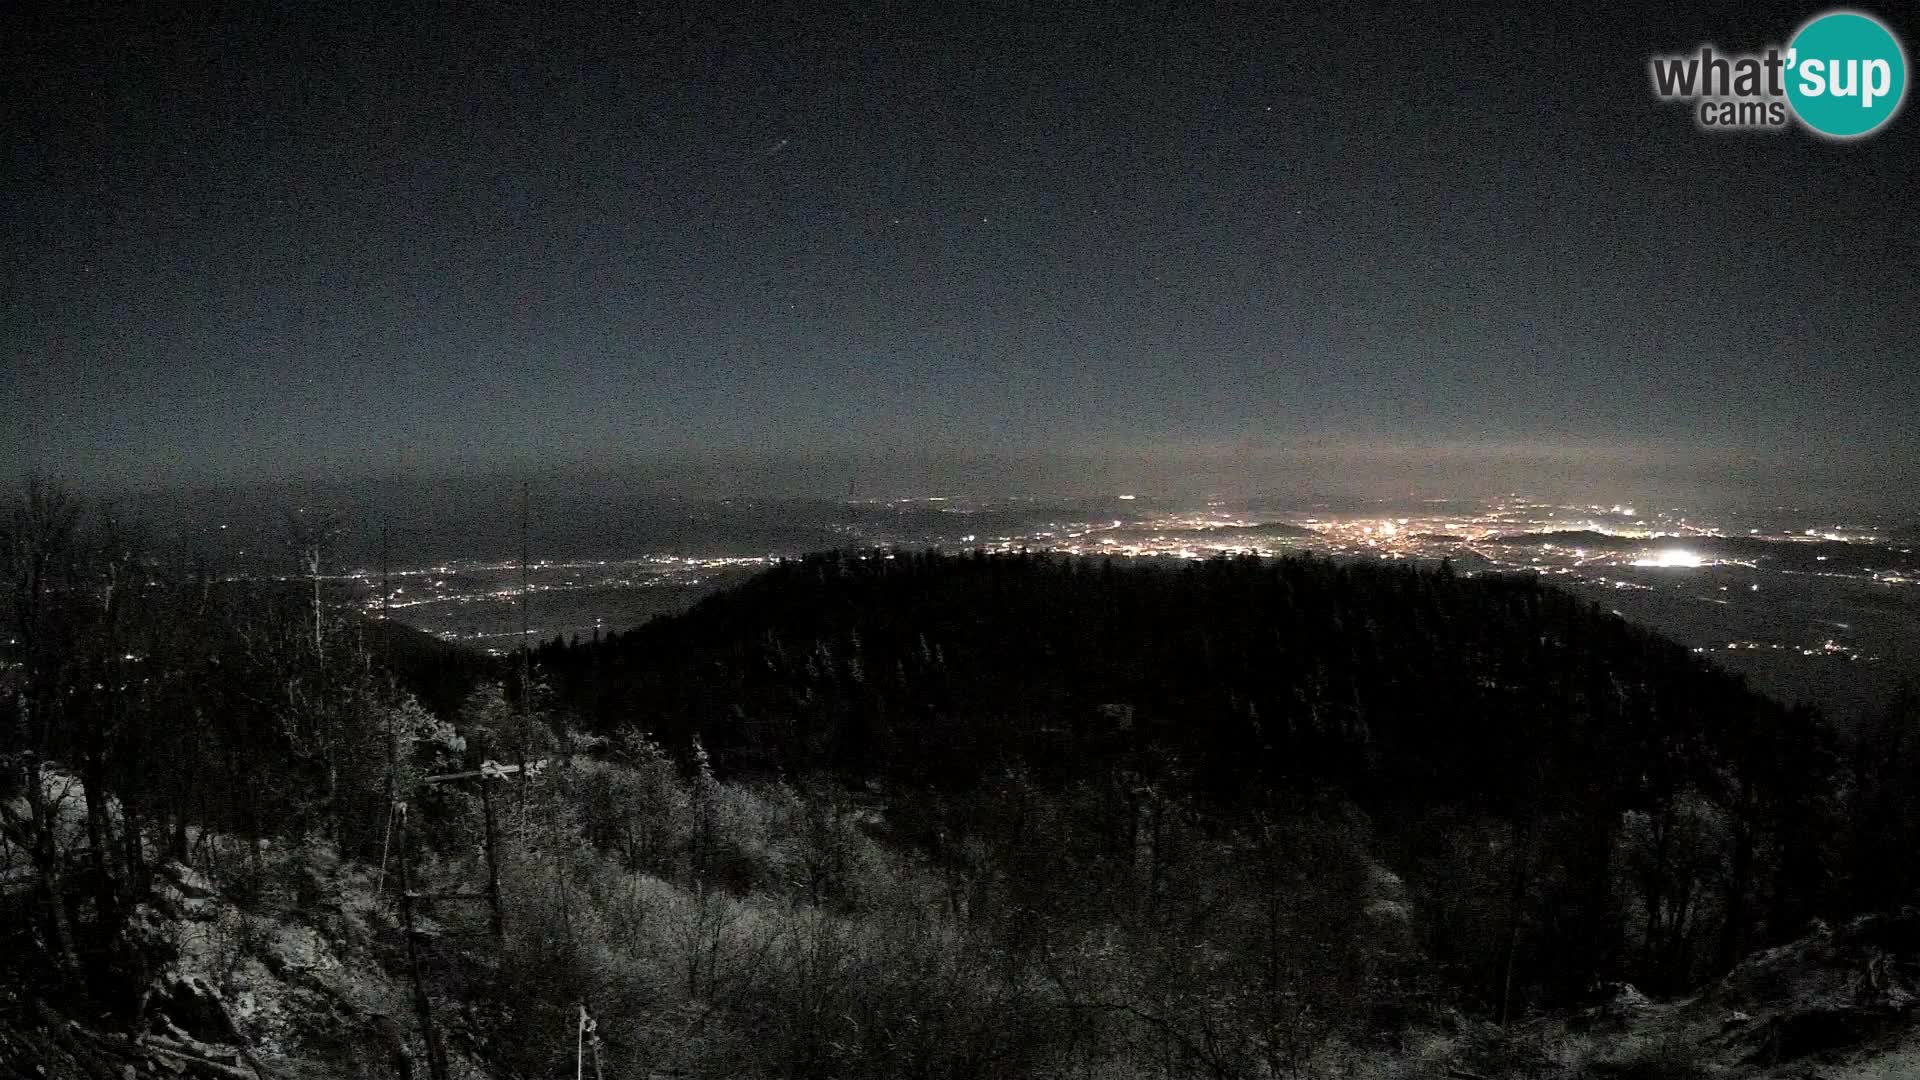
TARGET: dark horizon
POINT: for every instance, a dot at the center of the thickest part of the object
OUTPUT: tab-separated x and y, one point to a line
786	251
1298	476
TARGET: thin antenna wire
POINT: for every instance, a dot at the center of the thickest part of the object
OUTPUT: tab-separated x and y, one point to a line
526	498
526	656
386	667
386	591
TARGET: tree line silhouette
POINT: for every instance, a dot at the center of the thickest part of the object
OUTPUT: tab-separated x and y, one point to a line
1578	800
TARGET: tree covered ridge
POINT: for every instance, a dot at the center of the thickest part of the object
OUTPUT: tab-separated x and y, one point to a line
1648	815
1398	683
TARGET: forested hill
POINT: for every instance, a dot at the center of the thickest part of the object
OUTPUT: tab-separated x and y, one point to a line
1396	683
1568	797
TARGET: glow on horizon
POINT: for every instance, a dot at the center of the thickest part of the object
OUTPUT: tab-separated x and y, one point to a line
1671	557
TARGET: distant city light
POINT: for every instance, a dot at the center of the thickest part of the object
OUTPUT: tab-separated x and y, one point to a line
1671	557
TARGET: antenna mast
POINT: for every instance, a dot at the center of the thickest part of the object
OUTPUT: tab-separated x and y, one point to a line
526	496
526	656
386	590
386	663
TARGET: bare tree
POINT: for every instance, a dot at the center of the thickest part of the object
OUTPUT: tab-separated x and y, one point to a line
311	534
39	551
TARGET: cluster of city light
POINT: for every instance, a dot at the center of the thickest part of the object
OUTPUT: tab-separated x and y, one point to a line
1829	647
654	570
1506	535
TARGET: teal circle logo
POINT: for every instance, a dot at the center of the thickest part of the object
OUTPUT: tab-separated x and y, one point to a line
1846	74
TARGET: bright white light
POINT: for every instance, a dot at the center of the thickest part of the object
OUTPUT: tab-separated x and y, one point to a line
1671	557
1127	498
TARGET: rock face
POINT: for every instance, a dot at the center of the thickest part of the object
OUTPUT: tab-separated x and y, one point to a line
1826	995
183	893
1832	1003
1835	1004
198	1010
277	987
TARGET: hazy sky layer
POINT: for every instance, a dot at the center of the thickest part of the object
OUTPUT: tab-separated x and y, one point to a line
432	242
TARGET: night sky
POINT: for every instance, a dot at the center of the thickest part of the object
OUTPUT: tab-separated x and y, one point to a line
432	241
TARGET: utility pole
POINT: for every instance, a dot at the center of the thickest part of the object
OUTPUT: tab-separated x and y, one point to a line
436	1058
496	923
586	1039
489	770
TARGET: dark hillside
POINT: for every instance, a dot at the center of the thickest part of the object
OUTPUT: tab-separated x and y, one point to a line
1396	683
1648	815
439	673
